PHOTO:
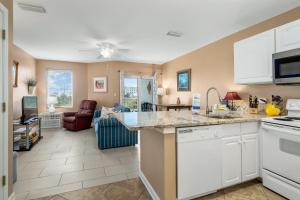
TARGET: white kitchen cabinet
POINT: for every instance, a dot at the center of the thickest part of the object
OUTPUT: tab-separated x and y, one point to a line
288	36
231	161
250	157
230	130
253	59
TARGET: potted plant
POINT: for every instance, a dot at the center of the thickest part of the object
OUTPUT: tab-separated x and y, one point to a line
31	83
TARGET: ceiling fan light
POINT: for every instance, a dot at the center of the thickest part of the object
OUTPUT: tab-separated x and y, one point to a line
107	52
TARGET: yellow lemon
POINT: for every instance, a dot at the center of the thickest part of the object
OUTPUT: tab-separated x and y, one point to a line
271	110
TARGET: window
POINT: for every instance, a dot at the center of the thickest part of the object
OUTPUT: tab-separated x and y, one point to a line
60	88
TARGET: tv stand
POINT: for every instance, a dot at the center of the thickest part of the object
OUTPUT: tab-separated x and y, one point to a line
29	121
26	135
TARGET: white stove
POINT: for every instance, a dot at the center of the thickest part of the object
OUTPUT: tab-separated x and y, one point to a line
293	117
284	120
281	152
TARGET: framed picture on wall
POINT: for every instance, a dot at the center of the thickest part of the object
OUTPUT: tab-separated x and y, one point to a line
184	80
100	84
15	73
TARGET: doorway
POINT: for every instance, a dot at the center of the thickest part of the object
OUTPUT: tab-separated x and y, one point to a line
3	100
138	92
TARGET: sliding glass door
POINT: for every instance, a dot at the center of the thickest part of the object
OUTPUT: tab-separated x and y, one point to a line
138	92
130	93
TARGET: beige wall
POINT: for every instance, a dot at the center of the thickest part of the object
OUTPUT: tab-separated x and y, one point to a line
79	82
212	65
111	71
83	75
27	68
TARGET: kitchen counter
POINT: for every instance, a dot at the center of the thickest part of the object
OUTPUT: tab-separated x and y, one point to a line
176	119
158	153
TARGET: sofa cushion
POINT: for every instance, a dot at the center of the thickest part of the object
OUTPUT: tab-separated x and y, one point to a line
111	121
97	114
69	119
106	112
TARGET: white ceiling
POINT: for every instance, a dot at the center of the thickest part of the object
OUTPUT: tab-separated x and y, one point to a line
139	25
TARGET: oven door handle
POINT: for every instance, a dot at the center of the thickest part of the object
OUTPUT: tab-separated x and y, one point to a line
283	129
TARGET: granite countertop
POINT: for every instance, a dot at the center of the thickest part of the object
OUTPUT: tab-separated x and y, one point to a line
176	119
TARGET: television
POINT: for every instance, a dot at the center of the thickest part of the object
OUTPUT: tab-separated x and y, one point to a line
29	109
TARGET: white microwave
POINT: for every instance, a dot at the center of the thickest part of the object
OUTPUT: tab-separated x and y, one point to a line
286	67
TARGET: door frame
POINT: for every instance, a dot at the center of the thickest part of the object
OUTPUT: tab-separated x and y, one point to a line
4	80
139	78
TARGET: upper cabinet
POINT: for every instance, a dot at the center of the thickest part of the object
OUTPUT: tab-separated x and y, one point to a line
288	36
253	59
253	56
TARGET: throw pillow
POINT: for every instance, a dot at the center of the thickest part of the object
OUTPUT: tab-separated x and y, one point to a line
106	112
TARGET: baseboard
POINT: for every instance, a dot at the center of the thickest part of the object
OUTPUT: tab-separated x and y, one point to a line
12	196
148	186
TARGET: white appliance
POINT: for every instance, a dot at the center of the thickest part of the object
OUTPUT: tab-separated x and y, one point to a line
199	161
281	152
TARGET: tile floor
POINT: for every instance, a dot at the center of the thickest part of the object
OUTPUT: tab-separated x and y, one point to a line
68	166
252	190
134	189
65	161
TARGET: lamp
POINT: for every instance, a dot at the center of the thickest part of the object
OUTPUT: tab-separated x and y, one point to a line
161	91
231	96
52	101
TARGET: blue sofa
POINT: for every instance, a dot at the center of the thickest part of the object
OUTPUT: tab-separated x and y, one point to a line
110	133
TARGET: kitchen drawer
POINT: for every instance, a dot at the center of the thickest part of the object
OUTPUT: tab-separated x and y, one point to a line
228	130
249	127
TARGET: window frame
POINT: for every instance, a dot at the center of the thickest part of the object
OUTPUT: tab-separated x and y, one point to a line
72	99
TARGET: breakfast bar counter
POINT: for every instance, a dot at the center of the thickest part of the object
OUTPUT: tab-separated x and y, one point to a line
177	119
158	158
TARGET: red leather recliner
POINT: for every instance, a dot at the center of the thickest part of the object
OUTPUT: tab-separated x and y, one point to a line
76	121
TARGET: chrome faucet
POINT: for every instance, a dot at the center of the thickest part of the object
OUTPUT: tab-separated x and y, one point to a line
219	96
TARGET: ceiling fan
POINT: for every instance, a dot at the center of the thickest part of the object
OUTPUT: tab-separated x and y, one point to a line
106	50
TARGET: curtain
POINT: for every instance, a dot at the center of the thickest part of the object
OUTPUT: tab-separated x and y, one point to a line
155	97
121	86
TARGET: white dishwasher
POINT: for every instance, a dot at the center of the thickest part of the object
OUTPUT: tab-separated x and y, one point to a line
199	162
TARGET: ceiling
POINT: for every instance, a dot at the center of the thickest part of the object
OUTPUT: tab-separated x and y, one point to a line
138	25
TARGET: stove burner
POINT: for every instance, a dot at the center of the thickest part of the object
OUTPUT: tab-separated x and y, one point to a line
287	119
